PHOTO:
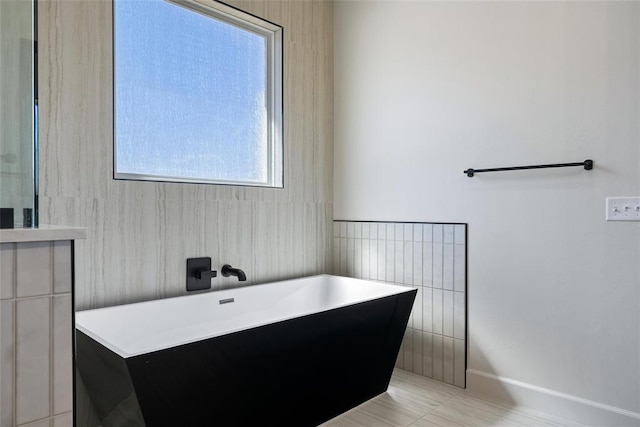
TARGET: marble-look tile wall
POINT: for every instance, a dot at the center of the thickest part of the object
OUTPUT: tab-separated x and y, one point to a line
141	233
35	334
430	257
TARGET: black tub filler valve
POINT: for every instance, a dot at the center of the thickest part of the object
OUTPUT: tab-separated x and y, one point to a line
199	274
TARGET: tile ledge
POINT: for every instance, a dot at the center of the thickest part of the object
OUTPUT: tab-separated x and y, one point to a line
42	233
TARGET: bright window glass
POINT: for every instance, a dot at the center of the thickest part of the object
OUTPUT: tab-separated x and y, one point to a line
197	95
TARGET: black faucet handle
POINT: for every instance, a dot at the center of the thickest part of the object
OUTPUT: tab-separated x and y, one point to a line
199	274
204	274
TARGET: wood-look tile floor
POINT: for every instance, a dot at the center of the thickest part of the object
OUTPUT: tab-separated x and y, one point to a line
415	401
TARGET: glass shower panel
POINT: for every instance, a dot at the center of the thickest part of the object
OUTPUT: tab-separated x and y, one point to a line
18	109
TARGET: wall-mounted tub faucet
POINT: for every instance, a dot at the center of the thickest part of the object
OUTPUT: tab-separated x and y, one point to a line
227	271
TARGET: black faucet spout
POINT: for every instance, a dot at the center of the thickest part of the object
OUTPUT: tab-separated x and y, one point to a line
227	271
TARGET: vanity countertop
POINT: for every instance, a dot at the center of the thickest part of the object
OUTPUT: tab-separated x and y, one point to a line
42	233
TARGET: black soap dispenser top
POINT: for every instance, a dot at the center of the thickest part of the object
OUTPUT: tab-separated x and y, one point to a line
6	218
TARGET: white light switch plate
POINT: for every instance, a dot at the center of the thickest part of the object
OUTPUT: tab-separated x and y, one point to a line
623	209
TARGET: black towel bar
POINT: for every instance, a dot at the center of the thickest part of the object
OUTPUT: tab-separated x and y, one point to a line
588	165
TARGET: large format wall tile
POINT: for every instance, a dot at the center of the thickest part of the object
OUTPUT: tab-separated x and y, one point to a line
62	274
7	363
33	357
429	257
33	269
36	381
7	270
62	368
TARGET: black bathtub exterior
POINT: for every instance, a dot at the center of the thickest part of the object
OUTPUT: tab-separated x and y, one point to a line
298	372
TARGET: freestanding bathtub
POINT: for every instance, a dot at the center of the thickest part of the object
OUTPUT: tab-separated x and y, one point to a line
290	353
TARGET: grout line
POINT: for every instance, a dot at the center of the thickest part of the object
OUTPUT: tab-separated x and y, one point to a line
30	297
432	304
417	419
14	276
51	348
52	263
14	367
422	331
30	423
14	331
442	315
442	307
455	395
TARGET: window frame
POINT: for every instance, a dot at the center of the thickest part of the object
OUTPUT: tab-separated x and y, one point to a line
273	35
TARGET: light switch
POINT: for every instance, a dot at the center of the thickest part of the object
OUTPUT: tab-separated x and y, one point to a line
623	209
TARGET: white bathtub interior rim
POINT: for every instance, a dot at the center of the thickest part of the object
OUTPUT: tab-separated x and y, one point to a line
133	329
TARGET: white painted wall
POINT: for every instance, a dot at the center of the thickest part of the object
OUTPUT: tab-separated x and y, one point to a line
424	90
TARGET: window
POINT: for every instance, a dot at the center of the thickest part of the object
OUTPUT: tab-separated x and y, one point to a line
198	94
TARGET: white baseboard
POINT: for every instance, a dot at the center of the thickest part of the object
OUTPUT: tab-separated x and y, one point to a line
572	408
